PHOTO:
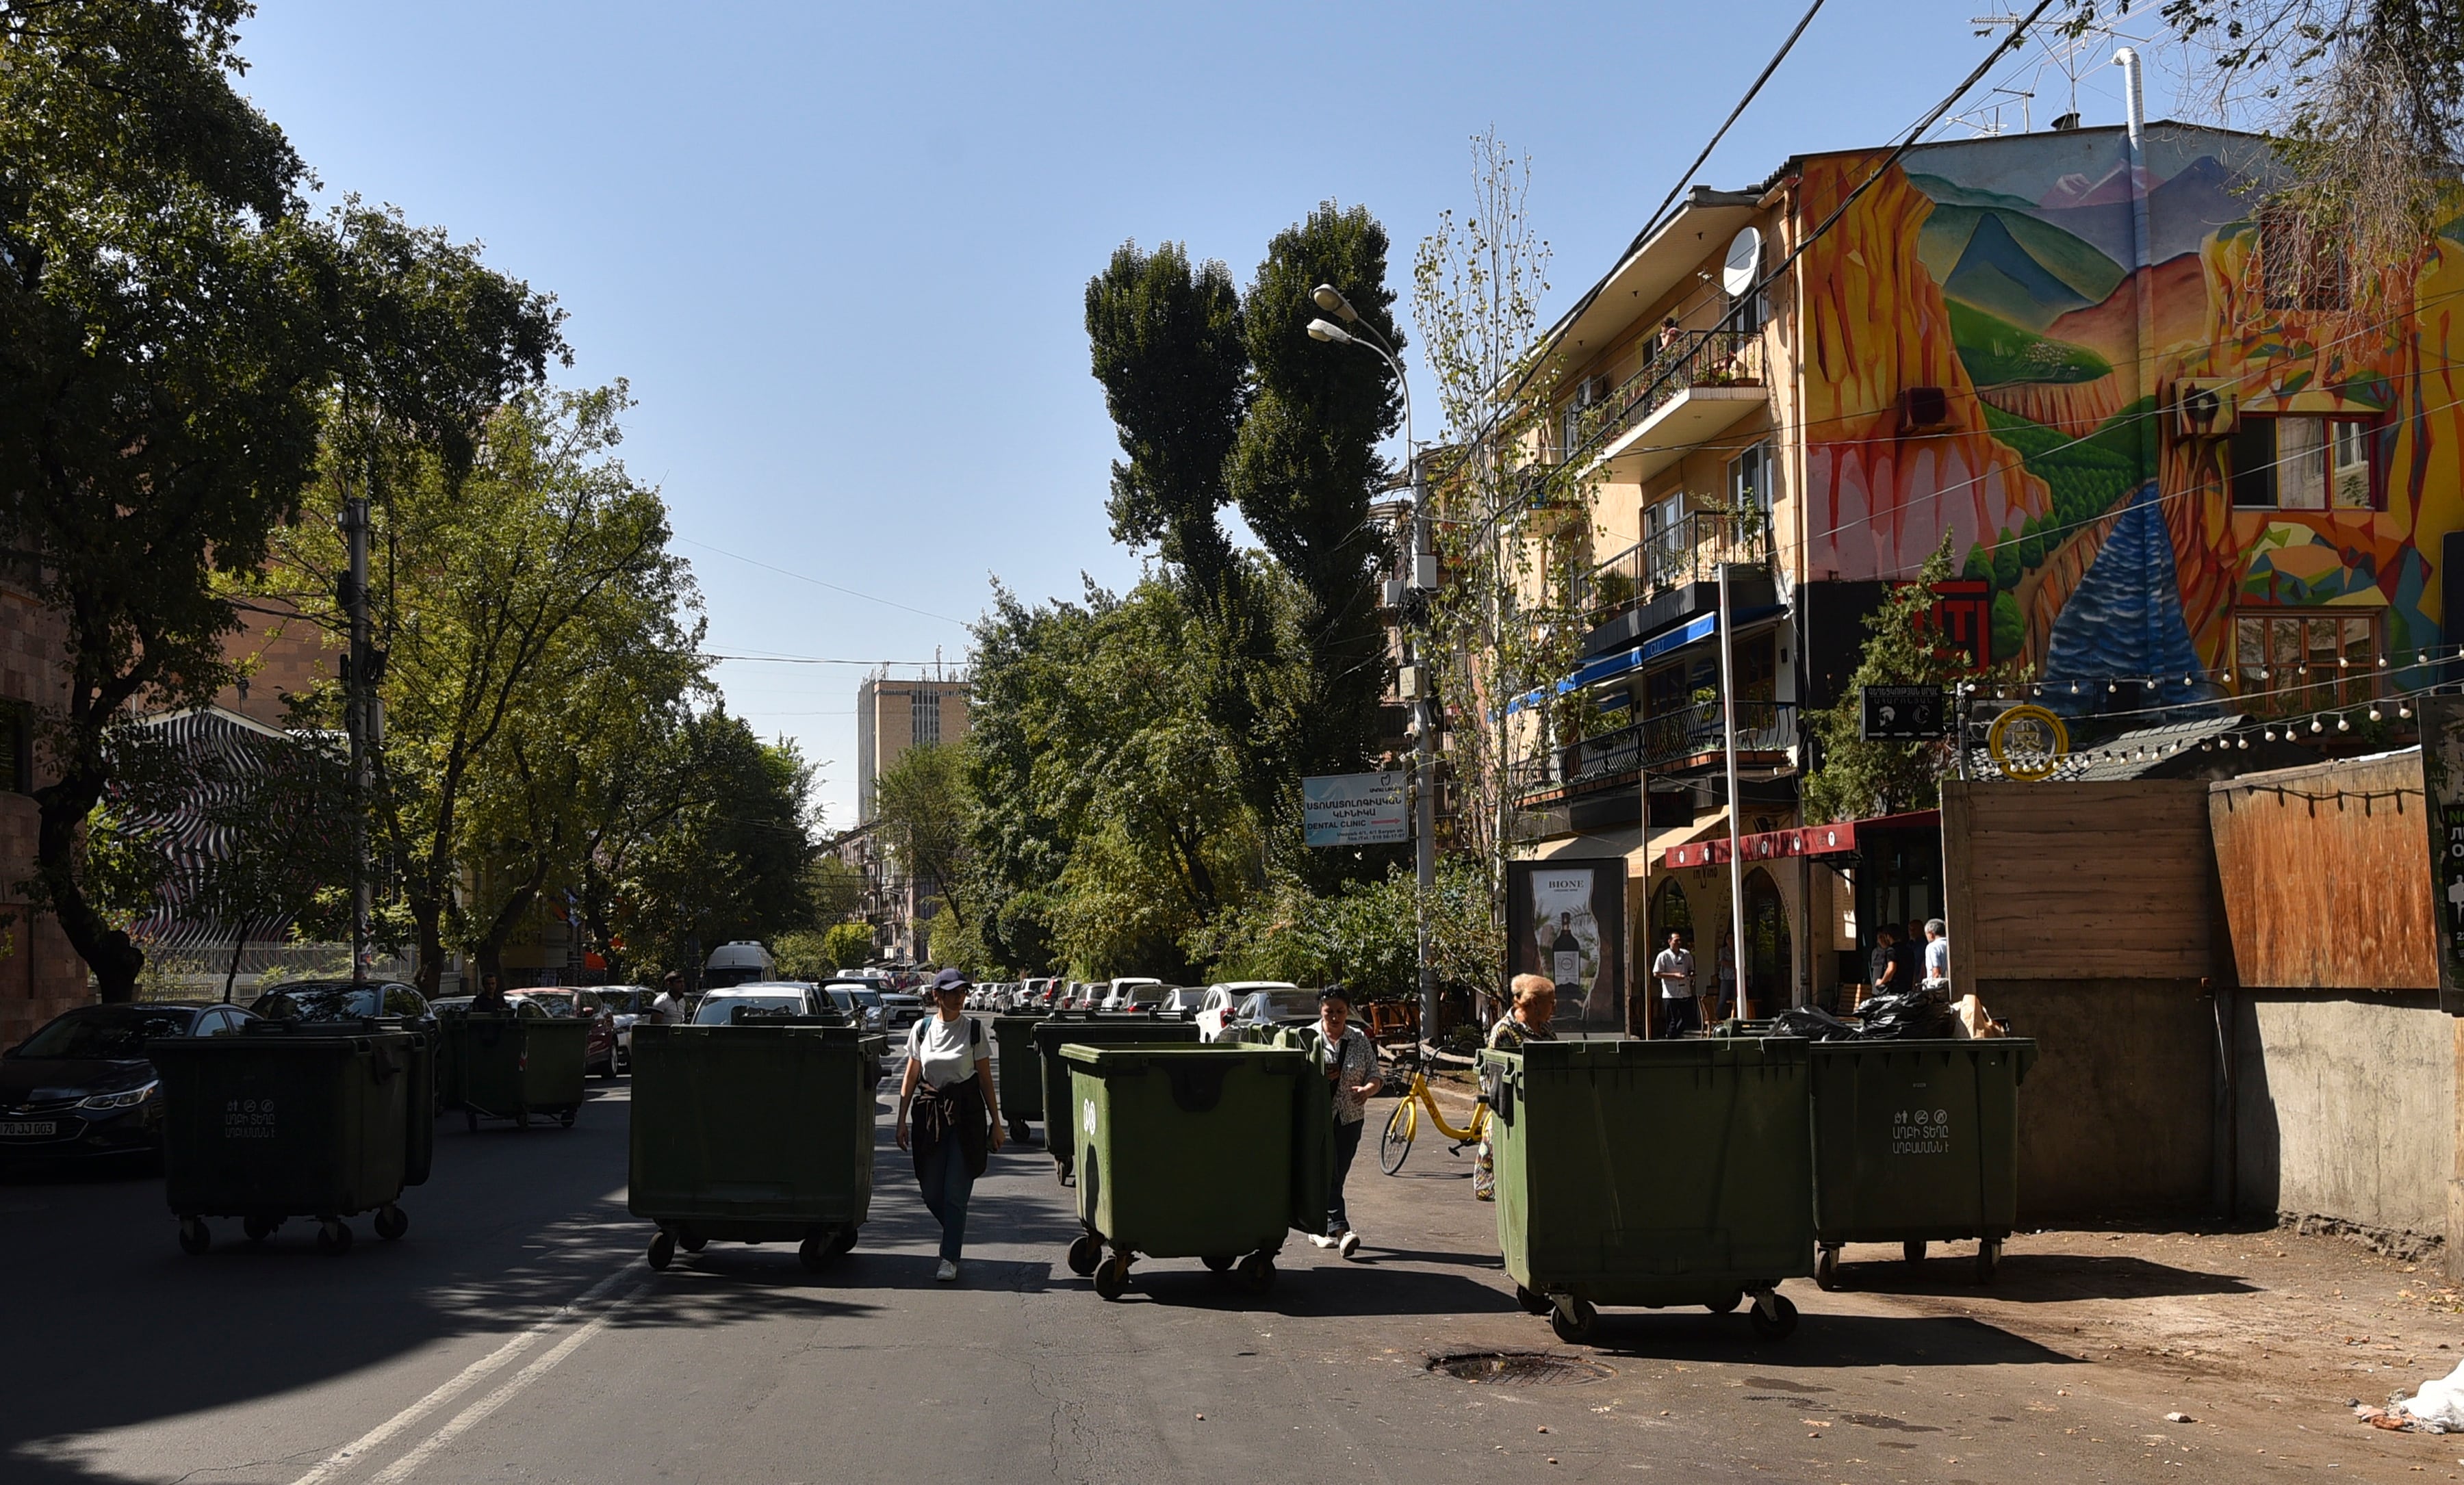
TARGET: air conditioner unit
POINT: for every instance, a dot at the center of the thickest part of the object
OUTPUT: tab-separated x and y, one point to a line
1411	682
2205	409
1424	571
1391	592
1922	408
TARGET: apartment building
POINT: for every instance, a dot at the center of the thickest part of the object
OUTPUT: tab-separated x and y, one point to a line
2181	477
893	716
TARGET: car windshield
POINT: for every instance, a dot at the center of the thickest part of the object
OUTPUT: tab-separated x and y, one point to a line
869	997
107	1031
556	1003
316	1002
623	1002
719	1010
1280	1005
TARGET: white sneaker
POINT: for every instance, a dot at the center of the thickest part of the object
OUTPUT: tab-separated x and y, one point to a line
1321	1241
947	1272
1350	1244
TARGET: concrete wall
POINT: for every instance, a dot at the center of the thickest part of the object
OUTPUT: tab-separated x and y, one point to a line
2346	1113
2117	1117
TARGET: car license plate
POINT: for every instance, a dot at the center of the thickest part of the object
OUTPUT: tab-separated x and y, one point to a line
27	1130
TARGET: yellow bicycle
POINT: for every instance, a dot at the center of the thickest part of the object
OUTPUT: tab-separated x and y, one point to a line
1405	1121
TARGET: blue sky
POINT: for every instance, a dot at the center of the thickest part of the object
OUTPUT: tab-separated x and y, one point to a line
839	250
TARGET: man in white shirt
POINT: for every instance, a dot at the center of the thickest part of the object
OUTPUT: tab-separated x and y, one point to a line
670	1006
1674	969
1936	958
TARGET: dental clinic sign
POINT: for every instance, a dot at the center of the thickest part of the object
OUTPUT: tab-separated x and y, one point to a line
1354	809
2442	778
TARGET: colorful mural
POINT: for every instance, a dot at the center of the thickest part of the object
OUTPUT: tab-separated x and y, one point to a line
2009	271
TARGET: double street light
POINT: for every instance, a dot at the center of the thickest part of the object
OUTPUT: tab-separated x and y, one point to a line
1331	301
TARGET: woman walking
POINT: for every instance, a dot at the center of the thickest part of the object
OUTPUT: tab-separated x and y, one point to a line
1535	1007
957	1123
1351	1065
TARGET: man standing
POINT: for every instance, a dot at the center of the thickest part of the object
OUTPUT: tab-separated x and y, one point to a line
1912	953
1674	969
669	1006
1937	959
1883	977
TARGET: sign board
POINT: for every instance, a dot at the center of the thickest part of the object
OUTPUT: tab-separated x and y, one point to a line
2027	743
1355	809
1904	713
1565	920
2442	777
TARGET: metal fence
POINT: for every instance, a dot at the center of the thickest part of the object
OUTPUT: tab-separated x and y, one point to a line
1688	550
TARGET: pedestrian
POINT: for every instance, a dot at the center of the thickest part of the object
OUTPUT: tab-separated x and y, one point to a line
1937	959
1911	952
1884	970
1726	970
1672	336
669	1008
1534	1009
957	1124
1350	1062
491	1000
1674	969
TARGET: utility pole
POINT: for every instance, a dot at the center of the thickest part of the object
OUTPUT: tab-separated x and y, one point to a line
1736	807
359	713
1421	578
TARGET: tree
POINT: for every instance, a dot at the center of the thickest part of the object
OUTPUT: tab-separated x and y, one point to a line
922	807
735	860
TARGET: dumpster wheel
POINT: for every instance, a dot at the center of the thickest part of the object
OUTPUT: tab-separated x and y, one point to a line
844	1241
259	1228
1218	1262
1256	1273
819	1251
195	1237
1773	1317
1727	1302
1913	1251
392	1222
1113	1277
334	1236
663	1250
1086	1255
1572	1319
1532	1303
1989	1255
1826	1267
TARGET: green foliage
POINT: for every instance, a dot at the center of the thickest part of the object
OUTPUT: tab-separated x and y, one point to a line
1996	351
2087	478
1365	934
733	860
818	953
1857	779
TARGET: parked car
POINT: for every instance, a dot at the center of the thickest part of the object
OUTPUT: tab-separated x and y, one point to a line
1120	994
80	1085
340	1000
564	1002
901	1009
1146	995
1183	1000
719	1007
626	1005
1221	1015
859	1002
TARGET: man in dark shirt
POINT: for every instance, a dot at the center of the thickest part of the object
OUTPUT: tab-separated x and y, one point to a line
1883	972
1911	957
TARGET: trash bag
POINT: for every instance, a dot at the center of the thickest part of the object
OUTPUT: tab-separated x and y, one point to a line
2438	1408
1812	1023
1904	1018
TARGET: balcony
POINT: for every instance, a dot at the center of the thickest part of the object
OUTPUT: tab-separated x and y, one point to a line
1690	550
1686	392
1691	737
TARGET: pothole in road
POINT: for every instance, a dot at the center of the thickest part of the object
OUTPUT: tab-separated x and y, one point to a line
1518	1369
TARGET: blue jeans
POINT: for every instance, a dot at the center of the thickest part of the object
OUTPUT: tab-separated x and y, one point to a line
1681	1013
948	1183
1346	1143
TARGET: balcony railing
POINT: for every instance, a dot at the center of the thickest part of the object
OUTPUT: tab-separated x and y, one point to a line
1691	731
1725	357
1691	549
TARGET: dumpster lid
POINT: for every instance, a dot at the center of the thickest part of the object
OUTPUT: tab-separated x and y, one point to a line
1127	1058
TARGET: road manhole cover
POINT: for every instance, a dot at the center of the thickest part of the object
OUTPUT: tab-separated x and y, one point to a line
1518	1369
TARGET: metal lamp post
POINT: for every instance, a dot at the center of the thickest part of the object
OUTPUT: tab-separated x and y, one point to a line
1424	814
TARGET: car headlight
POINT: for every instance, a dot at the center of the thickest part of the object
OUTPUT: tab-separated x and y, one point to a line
127	1100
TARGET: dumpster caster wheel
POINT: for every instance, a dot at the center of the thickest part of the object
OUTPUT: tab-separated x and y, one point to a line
259	1228
1113	1277
565	1120
843	1242
471	1120
1778	1323
1256	1273
1988	1254
1826	1268
1913	1253
691	1241
522	1118
1018	1132
392	1222
1727	1302
195	1237
334	1237
1532	1303
1086	1255
663	1250
816	1252
1574	1319
1218	1262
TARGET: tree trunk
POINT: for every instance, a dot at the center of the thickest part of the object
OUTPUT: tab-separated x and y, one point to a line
111	954
239	946
490	947
426	917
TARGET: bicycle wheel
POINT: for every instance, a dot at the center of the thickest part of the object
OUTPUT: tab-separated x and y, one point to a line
1396	1142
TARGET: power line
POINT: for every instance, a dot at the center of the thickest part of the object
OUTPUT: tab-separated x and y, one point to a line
853	593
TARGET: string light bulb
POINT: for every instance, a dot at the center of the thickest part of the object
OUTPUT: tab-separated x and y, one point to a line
2374	712
2245	743
2403	710
2270	734
2316	726
2343	726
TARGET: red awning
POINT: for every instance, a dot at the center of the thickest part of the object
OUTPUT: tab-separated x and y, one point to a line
1832	840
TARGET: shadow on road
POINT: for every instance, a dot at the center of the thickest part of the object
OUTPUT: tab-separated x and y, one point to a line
1821	1341
1351	1290
2037	1278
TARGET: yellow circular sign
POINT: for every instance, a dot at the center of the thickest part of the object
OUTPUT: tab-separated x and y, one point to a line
2027	743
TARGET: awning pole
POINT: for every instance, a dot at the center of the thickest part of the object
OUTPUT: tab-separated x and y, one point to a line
1736	859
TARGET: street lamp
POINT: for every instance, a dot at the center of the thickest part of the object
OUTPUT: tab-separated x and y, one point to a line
1424	746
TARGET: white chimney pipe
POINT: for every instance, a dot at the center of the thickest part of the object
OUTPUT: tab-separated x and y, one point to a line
2134	103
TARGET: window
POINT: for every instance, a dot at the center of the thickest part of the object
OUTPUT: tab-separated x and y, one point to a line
2302	464
17	749
2290	662
1750	480
924	709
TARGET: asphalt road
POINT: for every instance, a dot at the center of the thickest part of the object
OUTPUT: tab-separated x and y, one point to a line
516	1334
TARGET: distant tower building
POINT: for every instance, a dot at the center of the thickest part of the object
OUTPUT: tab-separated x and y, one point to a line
894	715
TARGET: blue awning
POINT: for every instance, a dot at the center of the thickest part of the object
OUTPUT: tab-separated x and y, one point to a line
1618	662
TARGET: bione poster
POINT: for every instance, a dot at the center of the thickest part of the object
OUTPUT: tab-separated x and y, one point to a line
1566	921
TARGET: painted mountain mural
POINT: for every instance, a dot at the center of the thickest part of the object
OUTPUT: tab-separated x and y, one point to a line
2002	271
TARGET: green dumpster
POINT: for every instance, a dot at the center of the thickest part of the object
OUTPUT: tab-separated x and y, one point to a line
449	1043
1020	1069
1916	1141
752	1132
288	1120
1652	1173
1090	1029
514	1066
1189	1152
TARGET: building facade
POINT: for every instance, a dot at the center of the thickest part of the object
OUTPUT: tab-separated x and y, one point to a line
893	716
2178	473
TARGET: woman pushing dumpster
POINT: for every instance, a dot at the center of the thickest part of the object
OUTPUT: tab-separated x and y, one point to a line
957	1124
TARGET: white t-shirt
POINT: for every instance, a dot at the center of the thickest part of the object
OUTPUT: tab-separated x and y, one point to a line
946	1050
670	1006
1938	959
1674	969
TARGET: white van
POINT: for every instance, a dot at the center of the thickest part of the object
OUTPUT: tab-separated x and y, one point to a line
740	963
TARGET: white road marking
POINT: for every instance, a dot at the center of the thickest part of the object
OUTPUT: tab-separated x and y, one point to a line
477	1412
453	1388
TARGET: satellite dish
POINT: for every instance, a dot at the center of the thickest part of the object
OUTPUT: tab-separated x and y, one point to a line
1745	263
